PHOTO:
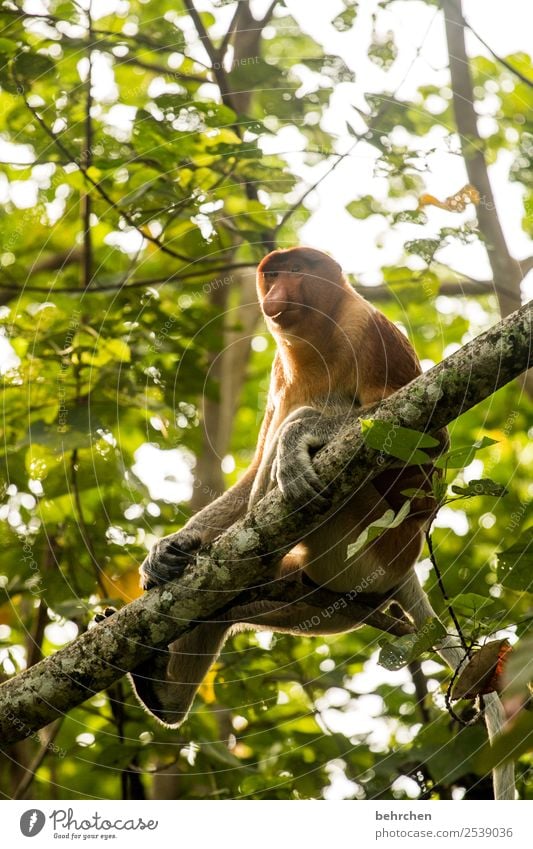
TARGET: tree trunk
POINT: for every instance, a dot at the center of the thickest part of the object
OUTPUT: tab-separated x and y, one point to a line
506	271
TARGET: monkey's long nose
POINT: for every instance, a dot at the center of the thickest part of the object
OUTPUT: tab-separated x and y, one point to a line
278	301
276	306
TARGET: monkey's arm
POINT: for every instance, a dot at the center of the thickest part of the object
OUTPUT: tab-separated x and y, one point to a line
170	555
299	438
302	434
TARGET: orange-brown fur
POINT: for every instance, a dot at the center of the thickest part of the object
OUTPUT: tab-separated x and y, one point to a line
348	351
335	352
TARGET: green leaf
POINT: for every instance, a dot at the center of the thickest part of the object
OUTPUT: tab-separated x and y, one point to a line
364	207
6	78
66	9
483	486
219	754
474	605
397	274
383	51
214	114
32	66
515	564
519	667
410	216
390	519
118	755
438	487
73	429
7	46
448	755
402	651
208	19
458	458
118	349
333	67
345	20
400	442
424	248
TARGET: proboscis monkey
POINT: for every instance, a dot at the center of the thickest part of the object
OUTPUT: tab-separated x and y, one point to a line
337	356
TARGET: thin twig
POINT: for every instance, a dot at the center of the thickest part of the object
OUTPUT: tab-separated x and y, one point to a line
221	51
216	66
445	595
161	69
31	770
15	286
84	531
268	14
86	160
234	23
498	58
448	695
463	288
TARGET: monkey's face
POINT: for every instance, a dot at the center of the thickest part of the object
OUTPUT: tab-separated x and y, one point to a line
297	286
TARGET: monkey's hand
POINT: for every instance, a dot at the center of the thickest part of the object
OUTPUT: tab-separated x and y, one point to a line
293	467
169	557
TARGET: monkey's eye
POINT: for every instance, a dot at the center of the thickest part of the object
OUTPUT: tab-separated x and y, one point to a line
295	268
270	275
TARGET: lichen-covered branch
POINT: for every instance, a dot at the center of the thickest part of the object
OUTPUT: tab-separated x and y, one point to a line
237	560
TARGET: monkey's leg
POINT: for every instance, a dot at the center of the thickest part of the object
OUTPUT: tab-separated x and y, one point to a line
167	683
416	604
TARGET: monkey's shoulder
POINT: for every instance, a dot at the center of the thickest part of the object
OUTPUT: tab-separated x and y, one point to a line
387	354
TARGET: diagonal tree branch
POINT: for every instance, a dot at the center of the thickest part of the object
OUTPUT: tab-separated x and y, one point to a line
241	16
237	560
